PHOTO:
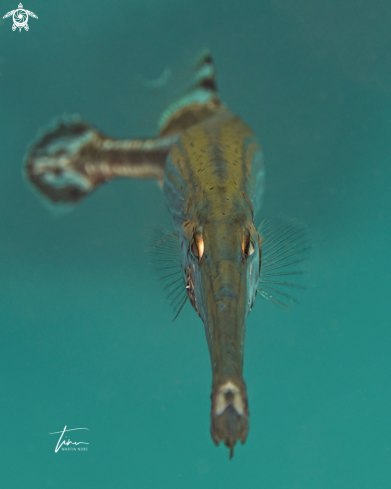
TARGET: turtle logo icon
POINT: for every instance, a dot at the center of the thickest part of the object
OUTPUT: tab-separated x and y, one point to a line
20	17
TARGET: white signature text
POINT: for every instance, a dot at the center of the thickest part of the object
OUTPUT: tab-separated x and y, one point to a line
67	442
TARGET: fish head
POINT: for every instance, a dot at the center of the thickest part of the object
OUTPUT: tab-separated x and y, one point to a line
221	263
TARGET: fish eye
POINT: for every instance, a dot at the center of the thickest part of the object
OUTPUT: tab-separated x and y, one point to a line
248	247
197	246
194	249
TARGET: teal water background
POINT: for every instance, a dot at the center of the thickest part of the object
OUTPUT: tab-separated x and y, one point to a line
86	338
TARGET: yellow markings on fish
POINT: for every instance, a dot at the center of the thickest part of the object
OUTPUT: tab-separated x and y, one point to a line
233	134
212	162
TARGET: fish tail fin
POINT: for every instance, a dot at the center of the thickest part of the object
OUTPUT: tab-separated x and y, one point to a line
71	159
199	100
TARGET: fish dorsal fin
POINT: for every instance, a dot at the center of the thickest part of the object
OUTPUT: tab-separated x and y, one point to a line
198	102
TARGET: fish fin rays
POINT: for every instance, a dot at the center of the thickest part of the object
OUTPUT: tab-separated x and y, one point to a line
285	245
164	248
198	101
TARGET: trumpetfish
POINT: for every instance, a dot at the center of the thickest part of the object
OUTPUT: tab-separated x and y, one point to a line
210	167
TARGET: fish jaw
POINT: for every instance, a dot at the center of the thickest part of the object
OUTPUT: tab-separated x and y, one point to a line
222	288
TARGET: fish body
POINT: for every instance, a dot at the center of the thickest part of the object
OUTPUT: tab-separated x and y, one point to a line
213	180
210	167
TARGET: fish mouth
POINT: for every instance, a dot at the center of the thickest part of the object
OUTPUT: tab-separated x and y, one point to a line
229	416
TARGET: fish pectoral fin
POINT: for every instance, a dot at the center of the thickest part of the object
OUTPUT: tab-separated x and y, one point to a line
165	251
71	159
285	245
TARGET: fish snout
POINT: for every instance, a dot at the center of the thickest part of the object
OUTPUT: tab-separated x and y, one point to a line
230	416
